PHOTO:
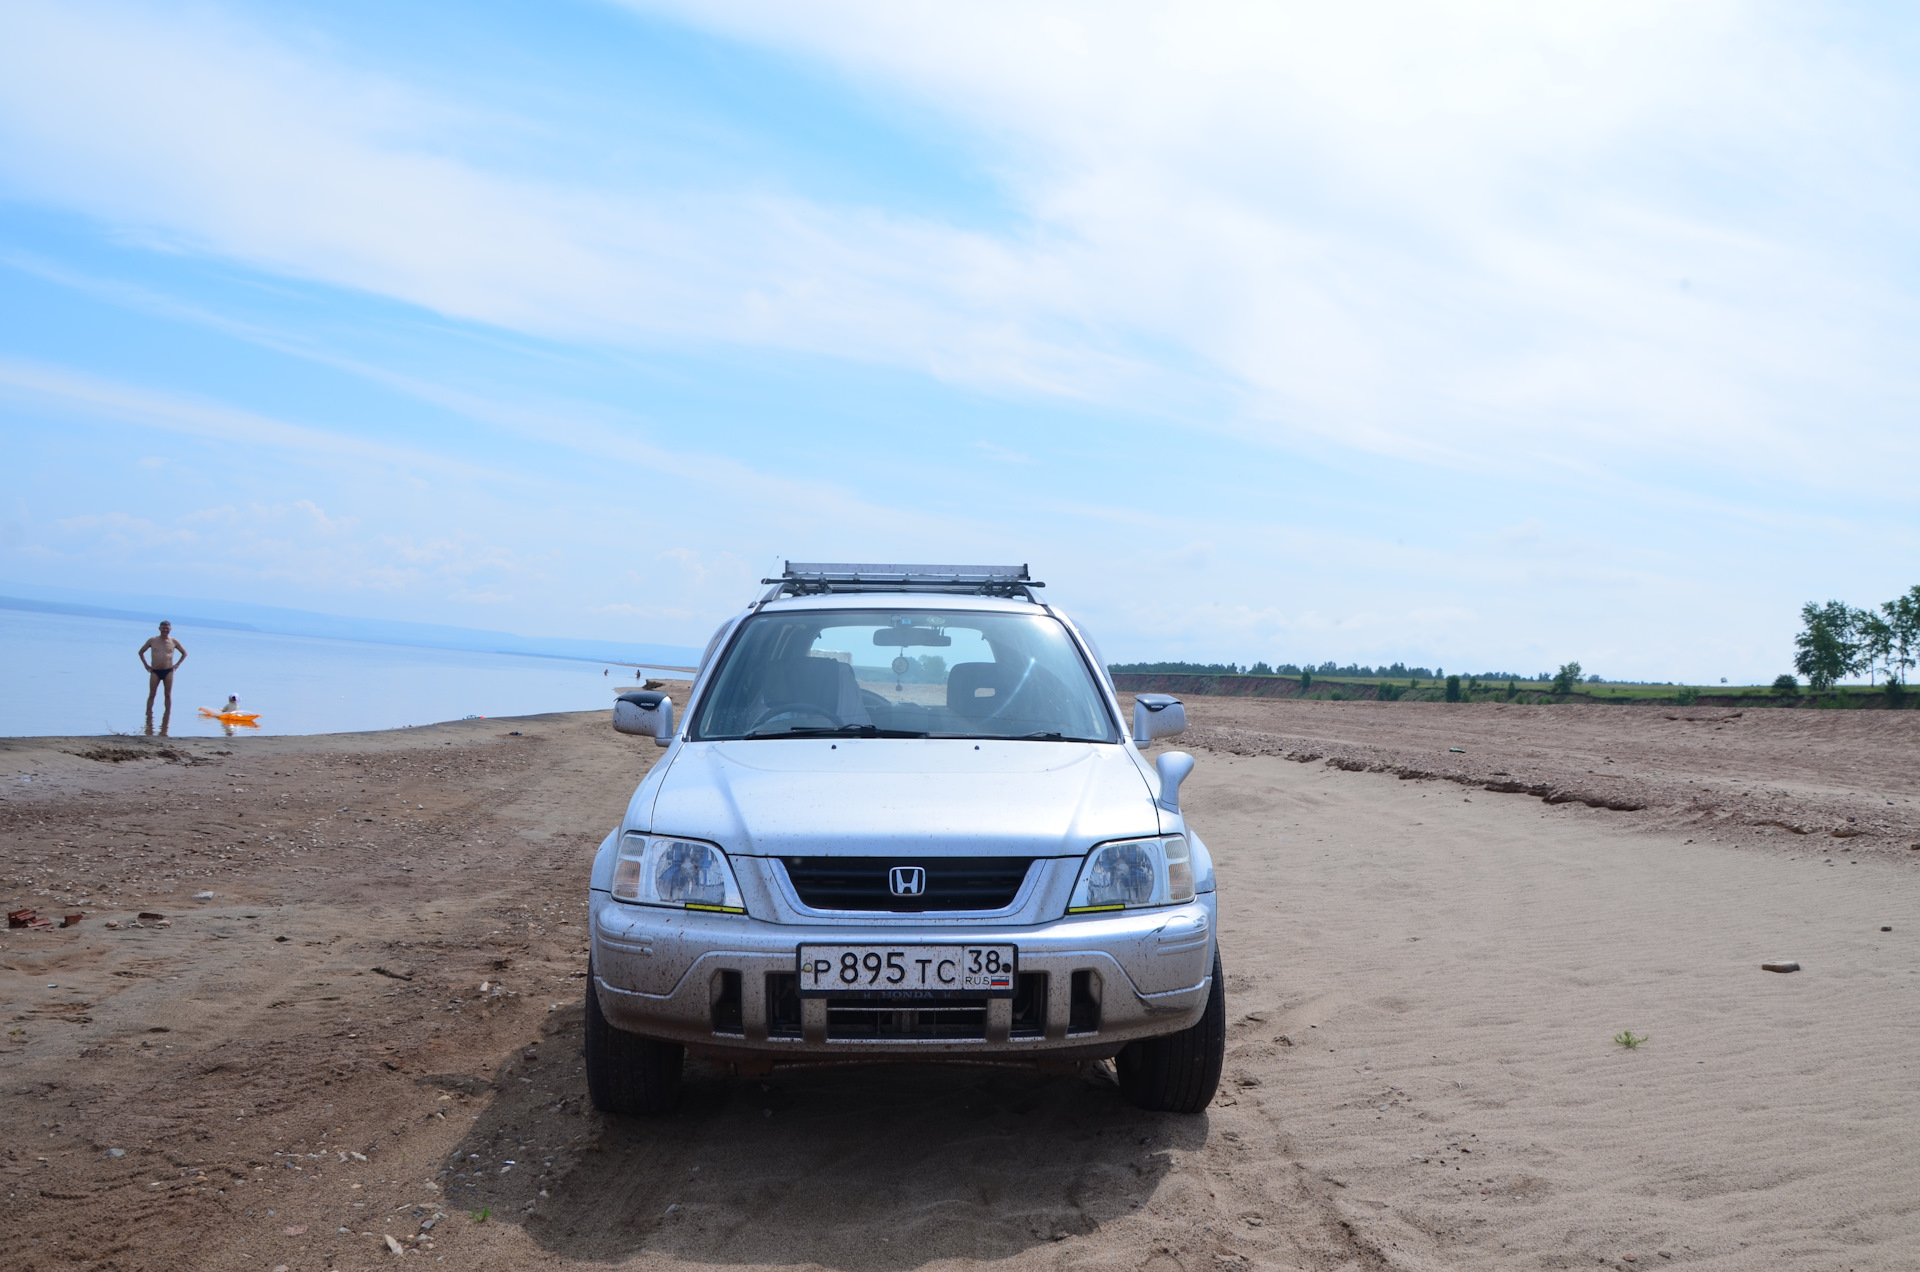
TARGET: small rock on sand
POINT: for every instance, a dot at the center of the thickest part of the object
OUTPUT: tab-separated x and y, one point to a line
1780	965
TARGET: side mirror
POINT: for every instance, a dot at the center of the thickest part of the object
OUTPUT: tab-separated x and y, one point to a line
645	713
1173	767
1155	715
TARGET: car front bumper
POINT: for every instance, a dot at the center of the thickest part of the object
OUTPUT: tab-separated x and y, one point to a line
713	983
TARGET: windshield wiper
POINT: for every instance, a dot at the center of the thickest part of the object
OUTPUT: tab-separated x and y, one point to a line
843	731
1043	735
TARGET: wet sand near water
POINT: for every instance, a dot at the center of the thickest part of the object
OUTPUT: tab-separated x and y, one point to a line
1424	982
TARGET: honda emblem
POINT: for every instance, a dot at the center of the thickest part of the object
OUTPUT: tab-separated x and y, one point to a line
907	881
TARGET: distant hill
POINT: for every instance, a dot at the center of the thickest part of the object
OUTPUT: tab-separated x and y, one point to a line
187	613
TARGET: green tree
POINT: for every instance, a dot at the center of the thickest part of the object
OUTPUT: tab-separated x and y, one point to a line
1306	680
1686	695
1902	615
1786	686
1566	678
1873	636
1828	651
1453	688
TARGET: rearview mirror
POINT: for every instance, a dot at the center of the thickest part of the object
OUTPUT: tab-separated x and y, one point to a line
901	637
644	713
1156	715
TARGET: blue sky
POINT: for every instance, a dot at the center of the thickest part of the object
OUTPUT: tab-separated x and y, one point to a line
1483	335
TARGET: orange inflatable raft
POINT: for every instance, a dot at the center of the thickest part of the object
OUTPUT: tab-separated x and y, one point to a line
231	717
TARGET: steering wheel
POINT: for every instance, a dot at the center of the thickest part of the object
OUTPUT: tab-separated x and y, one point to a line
797	708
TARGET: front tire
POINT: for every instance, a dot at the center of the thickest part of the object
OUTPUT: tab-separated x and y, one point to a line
1180	1072
627	1074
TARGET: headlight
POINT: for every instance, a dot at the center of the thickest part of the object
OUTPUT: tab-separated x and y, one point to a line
1134	873
656	870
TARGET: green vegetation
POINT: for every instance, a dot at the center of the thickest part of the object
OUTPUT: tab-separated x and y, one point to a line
1533	691
1836	641
1628	1039
1826	648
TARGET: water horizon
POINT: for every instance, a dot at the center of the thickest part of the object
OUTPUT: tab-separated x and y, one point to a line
75	675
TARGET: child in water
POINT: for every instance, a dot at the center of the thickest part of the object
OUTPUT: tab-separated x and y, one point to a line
233	704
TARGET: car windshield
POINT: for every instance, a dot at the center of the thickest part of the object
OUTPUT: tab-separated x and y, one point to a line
904	673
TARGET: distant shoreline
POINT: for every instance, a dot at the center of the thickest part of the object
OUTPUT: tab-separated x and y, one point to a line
1531	693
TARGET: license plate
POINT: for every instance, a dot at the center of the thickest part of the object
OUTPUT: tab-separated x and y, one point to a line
907	972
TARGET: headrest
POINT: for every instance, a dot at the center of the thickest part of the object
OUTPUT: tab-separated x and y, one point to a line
815	681
976	689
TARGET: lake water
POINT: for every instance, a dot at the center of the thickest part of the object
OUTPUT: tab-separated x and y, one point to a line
65	674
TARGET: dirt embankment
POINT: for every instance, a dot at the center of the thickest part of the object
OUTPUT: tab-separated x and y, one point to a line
1748	776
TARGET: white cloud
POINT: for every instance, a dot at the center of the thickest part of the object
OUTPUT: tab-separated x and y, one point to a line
1444	230
1439	231
1001	455
297	544
210	138
63	390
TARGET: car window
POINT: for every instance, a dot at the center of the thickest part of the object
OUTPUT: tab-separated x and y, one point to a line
968	675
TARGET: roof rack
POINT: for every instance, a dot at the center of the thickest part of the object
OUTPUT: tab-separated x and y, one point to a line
813	578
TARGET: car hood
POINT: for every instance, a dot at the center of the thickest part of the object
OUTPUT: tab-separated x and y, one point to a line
865	797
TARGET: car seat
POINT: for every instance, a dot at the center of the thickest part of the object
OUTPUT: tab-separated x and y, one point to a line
978	689
825	684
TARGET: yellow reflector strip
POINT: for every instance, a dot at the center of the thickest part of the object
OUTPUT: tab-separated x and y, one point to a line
716	909
1092	909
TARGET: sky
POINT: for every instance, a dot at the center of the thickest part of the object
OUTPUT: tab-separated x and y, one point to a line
1479	335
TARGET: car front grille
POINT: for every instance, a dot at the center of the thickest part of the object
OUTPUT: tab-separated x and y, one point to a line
857	1020
864	883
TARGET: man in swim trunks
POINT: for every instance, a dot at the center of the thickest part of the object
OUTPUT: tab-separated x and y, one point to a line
161	656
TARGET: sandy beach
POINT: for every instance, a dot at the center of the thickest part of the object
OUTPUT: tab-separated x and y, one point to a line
372	1024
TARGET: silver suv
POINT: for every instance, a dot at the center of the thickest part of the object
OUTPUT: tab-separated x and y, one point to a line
901	820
